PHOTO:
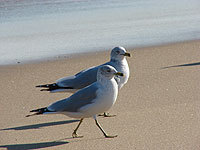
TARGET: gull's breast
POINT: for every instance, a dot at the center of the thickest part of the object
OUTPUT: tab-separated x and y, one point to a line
106	97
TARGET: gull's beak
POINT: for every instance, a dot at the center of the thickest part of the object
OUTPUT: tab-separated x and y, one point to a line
119	74
127	54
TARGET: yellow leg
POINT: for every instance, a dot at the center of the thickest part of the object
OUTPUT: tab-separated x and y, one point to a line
104	133
74	134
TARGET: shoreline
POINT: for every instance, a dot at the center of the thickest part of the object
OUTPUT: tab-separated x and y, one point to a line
74	55
157	109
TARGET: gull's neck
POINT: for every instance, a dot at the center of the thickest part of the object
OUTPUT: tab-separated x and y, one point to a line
117	60
103	80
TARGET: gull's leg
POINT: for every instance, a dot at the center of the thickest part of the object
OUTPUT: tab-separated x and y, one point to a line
106	115
104	133
74	134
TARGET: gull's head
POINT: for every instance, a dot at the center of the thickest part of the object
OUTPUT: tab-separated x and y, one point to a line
108	71
119	53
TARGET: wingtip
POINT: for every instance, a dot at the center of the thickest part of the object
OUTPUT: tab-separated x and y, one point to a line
31	115
44	90
39	111
44	85
37	86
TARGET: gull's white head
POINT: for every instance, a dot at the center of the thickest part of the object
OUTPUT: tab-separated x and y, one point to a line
107	71
119	53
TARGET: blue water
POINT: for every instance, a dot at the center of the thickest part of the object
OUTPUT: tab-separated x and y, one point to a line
37	29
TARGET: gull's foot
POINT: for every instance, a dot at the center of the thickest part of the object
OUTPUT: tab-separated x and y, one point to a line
107	115
75	135
110	136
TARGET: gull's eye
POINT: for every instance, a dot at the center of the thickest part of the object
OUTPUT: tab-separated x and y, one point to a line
117	52
108	71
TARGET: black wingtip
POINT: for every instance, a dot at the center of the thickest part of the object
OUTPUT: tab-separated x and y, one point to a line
45	90
28	115
39	86
47	85
38	111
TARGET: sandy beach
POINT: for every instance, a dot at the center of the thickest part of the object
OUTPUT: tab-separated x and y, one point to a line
158	109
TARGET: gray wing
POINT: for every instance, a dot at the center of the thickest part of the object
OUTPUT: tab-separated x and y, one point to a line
80	80
76	101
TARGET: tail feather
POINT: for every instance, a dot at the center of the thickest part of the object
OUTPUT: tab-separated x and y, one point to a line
39	111
51	87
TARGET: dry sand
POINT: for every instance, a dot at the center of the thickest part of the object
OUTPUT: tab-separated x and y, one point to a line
158	109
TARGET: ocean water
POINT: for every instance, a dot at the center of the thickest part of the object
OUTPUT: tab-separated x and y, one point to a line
38	29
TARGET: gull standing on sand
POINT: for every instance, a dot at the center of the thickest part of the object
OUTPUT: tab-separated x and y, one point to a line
89	101
89	76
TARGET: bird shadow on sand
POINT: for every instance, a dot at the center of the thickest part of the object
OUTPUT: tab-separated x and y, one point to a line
37	126
182	65
40	145
30	146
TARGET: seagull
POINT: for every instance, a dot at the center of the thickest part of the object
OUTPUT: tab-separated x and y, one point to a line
86	77
89	76
96	98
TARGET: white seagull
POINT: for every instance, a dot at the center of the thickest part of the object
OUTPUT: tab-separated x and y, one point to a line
89	76
96	98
